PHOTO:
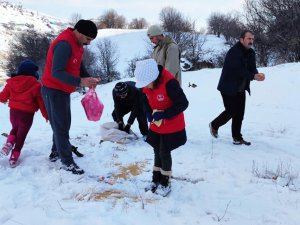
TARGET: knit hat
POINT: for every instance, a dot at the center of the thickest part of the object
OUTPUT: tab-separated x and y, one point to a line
27	67
121	88
146	71
87	27
154	30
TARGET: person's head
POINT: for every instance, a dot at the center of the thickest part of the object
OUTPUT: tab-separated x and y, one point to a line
121	89
85	31
27	67
155	34
146	72
247	39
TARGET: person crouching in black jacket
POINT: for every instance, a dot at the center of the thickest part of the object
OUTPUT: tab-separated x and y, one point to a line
127	98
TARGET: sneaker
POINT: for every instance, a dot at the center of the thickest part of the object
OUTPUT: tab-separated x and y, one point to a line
13	160
73	168
213	131
241	142
163	190
53	157
6	149
152	187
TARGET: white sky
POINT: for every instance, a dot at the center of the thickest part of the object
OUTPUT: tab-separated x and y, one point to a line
195	9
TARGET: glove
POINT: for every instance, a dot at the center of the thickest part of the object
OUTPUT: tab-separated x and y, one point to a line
149	117
159	115
127	128
121	126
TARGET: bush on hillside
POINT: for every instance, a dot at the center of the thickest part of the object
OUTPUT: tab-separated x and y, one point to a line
28	44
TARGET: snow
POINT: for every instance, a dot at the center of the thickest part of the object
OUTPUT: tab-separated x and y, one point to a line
215	182
214	179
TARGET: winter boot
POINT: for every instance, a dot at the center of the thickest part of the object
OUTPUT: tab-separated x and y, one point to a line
240	141
213	131
72	167
155	182
164	187
53	157
13	160
6	149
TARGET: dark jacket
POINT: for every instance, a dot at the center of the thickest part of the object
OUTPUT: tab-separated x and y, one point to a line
131	103
238	70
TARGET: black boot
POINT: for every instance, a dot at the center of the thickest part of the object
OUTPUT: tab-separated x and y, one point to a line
156	175
164	187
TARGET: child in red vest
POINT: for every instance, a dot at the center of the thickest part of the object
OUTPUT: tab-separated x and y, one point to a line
23	93
164	104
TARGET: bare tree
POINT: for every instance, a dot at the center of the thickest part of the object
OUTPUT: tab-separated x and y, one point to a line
136	23
108	59
111	19
229	25
75	17
173	21
276	23
28	44
215	23
195	52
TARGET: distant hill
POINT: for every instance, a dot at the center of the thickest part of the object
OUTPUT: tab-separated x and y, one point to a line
14	19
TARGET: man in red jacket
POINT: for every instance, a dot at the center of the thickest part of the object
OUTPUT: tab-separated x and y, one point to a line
64	72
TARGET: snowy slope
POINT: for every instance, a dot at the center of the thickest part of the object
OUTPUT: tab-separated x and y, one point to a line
214	180
15	18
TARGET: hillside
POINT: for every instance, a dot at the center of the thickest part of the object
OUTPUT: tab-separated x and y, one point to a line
14	19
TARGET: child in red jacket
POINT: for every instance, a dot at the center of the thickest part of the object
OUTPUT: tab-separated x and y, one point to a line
23	93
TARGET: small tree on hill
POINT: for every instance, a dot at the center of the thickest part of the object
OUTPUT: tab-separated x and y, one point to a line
136	23
107	60
111	19
28	44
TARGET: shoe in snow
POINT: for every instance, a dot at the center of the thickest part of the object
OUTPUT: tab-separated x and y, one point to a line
151	187
53	157
6	149
213	131
240	142
163	190
73	168
13	160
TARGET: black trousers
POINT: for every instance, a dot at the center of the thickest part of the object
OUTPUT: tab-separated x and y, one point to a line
235	110
141	118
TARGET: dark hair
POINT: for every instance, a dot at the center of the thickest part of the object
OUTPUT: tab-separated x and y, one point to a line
243	34
157	80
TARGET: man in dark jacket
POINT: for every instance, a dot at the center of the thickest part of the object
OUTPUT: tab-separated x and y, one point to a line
128	98
238	70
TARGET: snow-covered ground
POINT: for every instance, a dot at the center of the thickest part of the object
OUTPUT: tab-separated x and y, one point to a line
215	182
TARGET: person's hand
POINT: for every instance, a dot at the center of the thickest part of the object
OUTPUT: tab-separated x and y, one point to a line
149	117
90	82
127	128
159	115
121	126
259	77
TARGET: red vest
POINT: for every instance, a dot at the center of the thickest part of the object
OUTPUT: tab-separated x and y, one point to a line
73	66
159	99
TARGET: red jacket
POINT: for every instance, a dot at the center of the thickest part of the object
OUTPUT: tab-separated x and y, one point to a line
158	99
24	93
73	66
